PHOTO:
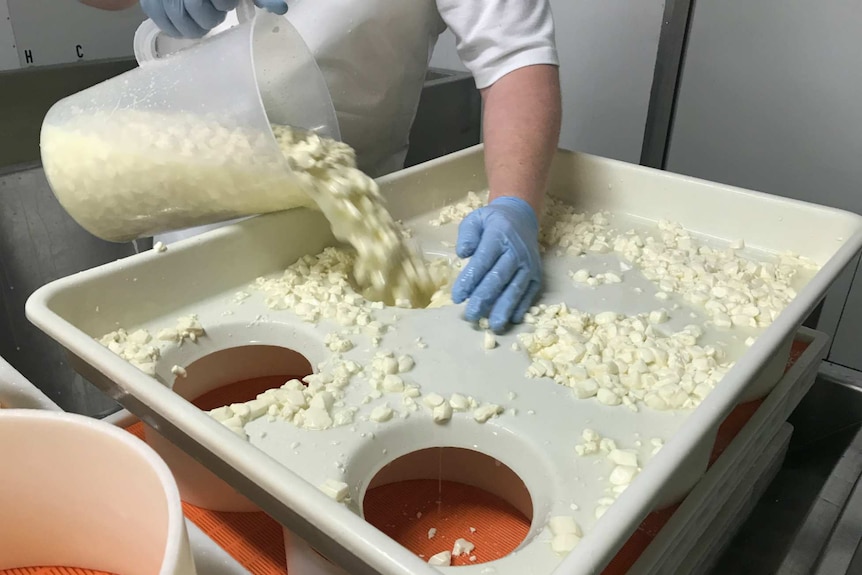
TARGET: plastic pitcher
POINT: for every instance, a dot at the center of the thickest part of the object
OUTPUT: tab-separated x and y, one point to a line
186	139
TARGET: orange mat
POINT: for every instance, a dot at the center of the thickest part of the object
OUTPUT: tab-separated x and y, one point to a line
51	571
406	511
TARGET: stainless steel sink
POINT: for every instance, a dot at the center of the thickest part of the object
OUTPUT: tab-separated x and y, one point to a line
39	242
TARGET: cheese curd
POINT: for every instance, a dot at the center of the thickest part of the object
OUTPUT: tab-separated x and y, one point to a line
386	268
138	348
165	171
734	290
454	213
621	360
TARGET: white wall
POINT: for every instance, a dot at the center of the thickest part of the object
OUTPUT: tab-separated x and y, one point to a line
48	32
770	100
607	58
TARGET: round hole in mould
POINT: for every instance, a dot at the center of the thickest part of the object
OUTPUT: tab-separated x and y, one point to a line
239	374
231	375
428	499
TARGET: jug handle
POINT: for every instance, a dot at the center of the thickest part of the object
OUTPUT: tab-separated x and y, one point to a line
245	11
148	36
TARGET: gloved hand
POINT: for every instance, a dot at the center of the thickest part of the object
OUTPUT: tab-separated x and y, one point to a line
504	274
194	18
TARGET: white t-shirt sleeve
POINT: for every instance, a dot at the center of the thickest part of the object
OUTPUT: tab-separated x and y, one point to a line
495	37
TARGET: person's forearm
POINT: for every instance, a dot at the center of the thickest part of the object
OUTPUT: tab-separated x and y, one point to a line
522	129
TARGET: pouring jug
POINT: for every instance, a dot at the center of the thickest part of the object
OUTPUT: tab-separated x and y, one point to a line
186	138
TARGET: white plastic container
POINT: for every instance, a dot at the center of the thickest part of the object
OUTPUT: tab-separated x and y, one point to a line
79	492
185	139
286	484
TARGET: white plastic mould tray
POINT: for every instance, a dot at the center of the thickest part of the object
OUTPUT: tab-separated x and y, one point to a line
281	470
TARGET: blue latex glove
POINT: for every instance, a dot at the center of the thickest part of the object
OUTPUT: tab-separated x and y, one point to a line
504	274
194	18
